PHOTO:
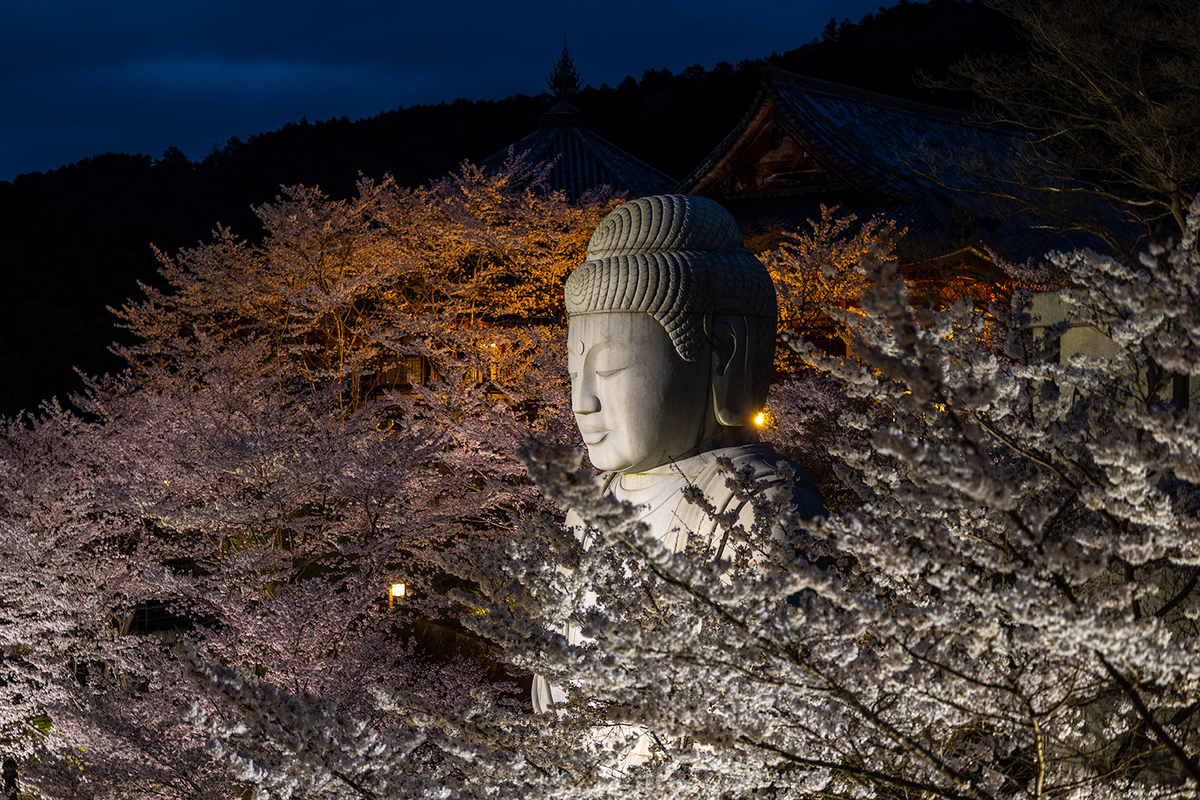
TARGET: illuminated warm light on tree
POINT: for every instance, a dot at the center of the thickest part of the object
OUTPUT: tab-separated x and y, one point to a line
816	269
760	419
323	370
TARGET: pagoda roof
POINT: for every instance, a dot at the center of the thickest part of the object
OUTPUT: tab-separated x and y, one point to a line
582	160
938	171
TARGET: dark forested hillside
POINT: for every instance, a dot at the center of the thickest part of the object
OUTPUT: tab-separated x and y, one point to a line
78	238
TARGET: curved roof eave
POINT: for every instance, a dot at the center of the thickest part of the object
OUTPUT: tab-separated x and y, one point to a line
808	136
583	160
724	149
769	99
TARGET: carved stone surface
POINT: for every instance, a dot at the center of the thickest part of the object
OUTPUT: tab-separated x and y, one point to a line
670	344
676	258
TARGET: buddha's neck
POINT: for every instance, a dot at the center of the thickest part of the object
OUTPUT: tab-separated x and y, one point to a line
720	437
675	473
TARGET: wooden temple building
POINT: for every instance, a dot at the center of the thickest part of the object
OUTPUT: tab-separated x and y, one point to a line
805	143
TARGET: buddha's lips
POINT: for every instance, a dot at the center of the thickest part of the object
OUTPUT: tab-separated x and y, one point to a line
593	436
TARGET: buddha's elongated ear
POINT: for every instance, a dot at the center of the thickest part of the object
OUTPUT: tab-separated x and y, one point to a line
731	333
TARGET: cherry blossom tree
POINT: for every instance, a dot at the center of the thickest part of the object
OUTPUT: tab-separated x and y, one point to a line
339	289
1010	610
252	485
818	269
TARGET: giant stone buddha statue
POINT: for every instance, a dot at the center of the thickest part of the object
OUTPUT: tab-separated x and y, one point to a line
671	344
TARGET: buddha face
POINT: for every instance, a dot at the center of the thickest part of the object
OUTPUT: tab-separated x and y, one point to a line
637	402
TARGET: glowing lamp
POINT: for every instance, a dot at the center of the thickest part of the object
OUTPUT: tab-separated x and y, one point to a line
397	590
760	419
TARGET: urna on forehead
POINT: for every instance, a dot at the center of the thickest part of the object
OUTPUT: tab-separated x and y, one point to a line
675	257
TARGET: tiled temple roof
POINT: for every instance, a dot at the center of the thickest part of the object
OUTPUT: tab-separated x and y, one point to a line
582	160
886	144
934	170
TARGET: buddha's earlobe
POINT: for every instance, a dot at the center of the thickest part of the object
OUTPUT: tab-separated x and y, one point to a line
732	369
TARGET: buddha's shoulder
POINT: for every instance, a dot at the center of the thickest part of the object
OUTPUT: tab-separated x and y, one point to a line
766	468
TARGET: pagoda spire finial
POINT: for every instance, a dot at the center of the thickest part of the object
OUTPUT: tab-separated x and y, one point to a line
564	80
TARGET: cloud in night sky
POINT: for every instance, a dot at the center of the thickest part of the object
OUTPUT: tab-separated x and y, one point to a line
81	78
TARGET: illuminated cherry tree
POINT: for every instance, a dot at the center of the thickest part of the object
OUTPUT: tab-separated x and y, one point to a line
1009	611
304	422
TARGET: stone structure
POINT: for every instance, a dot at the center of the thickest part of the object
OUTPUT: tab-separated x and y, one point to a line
670	349
1048	309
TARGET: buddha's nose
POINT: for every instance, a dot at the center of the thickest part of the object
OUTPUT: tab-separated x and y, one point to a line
583	399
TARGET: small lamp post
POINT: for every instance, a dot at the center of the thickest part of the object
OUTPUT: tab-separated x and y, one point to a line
397	590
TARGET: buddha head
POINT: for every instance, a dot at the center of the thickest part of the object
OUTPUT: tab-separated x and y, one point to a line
671	338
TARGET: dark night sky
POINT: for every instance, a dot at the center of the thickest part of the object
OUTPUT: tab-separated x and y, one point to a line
81	78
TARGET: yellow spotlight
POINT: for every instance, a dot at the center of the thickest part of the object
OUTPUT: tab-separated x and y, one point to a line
761	419
397	590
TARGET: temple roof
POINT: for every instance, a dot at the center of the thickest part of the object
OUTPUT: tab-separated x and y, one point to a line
807	142
581	159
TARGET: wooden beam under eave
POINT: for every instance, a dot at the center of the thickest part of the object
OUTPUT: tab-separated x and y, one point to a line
722	174
766	157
